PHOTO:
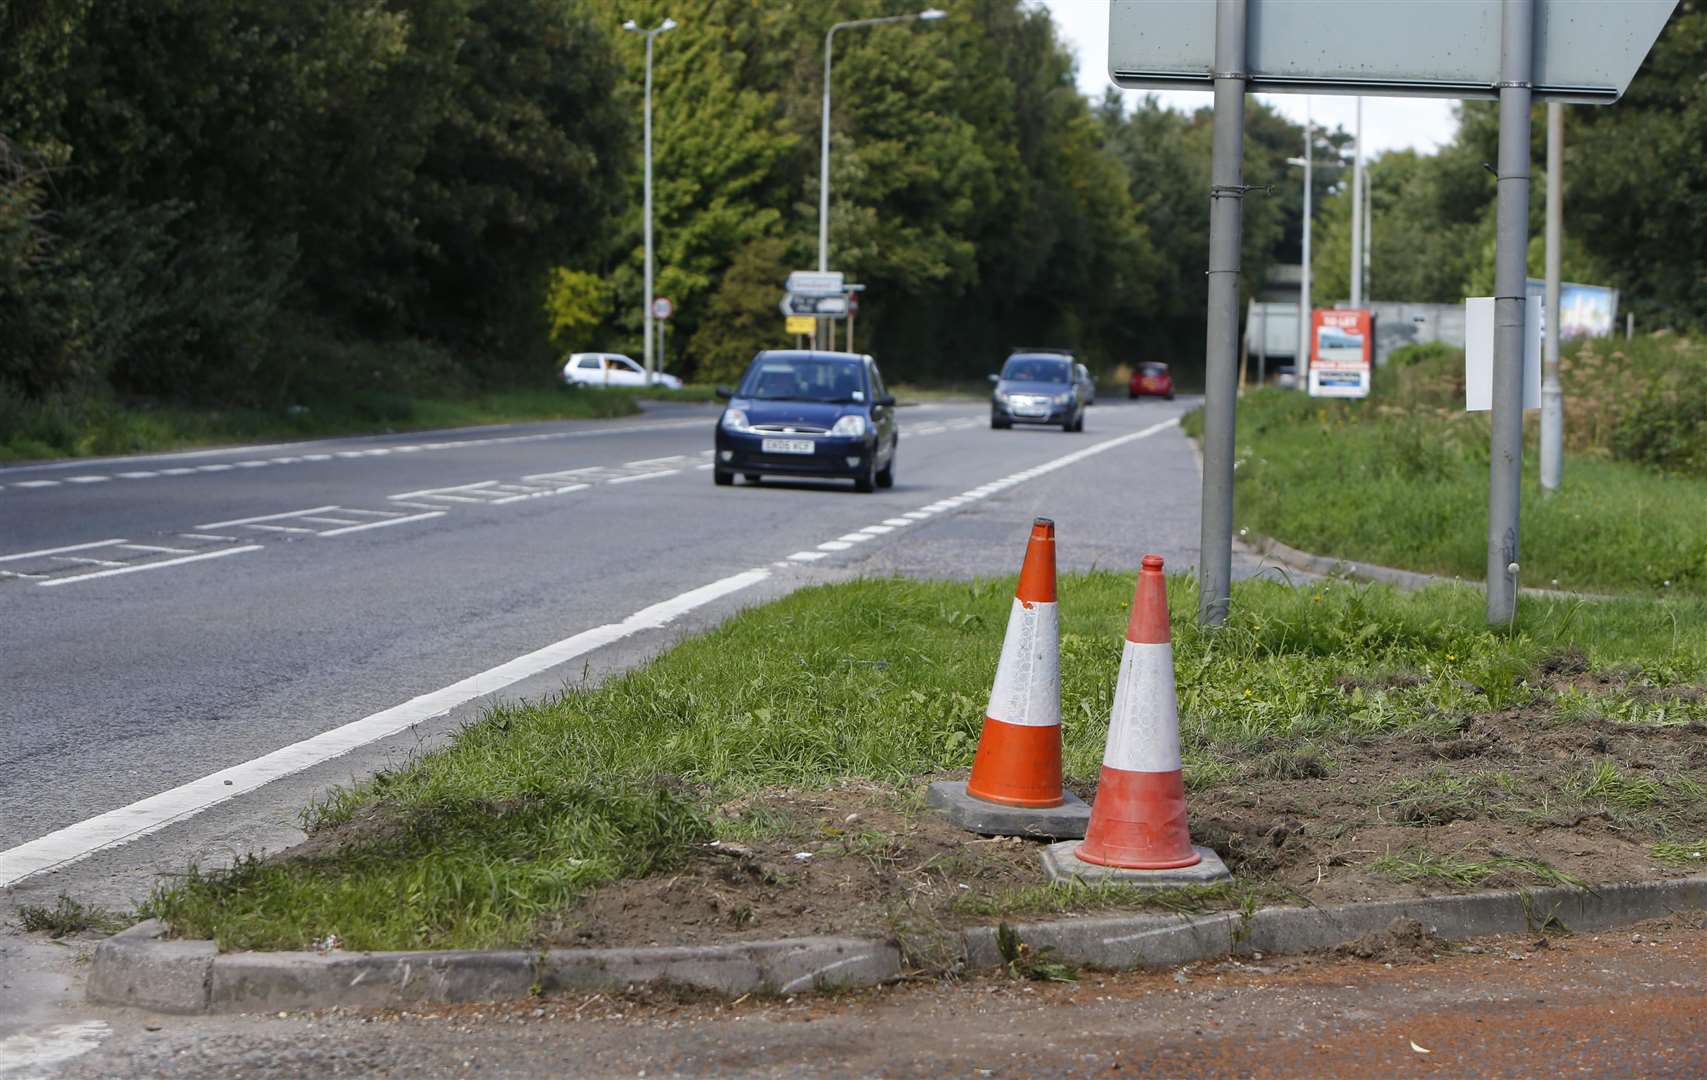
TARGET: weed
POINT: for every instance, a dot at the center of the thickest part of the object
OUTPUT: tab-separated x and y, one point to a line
1419	864
68	916
1022	962
1605	784
1674	853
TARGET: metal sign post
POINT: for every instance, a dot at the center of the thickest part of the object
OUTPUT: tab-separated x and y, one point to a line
1226	219
1513	50
1552	396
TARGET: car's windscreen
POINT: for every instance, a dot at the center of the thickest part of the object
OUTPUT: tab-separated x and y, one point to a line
1153	369
804	379
1033	369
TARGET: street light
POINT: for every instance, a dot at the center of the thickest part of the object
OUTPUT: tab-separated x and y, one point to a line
928	15
646	302
1301	362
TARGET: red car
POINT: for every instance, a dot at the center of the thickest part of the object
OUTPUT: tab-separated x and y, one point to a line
1151	380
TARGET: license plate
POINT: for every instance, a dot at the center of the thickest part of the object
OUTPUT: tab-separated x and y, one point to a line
790	446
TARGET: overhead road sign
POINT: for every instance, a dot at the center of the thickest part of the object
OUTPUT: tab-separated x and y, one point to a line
822	307
815	283
1585	51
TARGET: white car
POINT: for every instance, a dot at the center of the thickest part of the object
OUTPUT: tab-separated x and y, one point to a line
612	369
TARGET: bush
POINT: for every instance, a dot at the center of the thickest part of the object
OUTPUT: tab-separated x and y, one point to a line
1667	427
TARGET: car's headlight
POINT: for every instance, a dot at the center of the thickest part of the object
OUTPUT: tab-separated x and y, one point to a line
1062	399
734	420
852	424
1002	396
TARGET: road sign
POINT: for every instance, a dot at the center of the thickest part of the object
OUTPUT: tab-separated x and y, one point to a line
802	324
1585	50
1342	344
662	308
815	283
822	307
1479	354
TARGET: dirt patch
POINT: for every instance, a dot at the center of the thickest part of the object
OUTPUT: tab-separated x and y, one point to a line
855	860
1403	940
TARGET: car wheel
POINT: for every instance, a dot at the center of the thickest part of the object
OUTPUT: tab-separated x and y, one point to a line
886	475
1131	395
751	478
721	478
866	482
999	425
1170	395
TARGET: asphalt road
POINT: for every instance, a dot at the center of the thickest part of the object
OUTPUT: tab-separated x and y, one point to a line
194	646
171	618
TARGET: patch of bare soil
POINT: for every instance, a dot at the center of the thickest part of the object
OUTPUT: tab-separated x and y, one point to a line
1404	939
1298	825
855	860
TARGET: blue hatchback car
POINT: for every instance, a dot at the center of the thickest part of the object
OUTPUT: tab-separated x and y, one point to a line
808	414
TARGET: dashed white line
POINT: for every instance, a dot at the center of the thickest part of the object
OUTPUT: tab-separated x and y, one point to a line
60	550
808	556
653	461
35	483
834	545
142	475
213	468
266	517
149	566
176	472
897	522
87	479
854	538
643	476
253	464
383	524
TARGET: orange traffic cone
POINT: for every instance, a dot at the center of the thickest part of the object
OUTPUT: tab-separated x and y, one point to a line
1015	788
1137	825
1019	753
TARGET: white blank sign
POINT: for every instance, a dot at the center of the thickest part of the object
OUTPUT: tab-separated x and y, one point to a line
1479	354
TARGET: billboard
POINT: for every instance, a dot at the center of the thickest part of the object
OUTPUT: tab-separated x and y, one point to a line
1584	310
1342	344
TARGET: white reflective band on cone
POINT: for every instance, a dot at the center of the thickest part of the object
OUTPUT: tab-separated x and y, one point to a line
1143	731
1028	677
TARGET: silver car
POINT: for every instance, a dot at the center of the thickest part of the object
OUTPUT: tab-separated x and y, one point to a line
1087	384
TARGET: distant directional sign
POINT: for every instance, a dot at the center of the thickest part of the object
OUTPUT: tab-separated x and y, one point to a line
822	307
815	283
1586	51
802	324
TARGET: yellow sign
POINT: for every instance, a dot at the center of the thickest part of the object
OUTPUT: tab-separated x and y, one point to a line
802	324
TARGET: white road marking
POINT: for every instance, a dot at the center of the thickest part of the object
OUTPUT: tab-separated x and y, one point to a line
643	476
60	550
653	461
834	545
878	530
897	522
317	457
156	547
854	537
143	475
917	515
707	465
808	556
176	472
441	490
35	483
283	528
253	464
148	815
285	460
368	513
542	494
415	505
87	479
266	517
150	566
205	536
213	468
18	574
86	561
383	524
33	1054
319	520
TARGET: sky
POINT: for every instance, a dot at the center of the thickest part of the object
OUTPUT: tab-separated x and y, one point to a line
1388	123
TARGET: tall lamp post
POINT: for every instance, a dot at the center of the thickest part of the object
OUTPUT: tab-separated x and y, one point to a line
646	301
1301	362
928	15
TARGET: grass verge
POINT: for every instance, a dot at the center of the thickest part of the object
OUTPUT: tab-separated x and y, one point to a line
1401	479
63	429
1323	728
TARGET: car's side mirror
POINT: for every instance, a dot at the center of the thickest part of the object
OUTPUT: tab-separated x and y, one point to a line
724	393
886	399
995	378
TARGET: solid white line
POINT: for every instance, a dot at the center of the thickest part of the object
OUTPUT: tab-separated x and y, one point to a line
652	461
458	499
156	547
542	494
35	483
19	574
369	513
643	476
282	528
60	550
149	566
383	524
140	818
418	506
266	517
205	536
319	520
87	561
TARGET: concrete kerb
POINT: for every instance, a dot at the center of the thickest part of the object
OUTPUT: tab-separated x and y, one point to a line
142	968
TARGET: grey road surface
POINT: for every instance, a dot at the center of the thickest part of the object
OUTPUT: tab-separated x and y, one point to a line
167	621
